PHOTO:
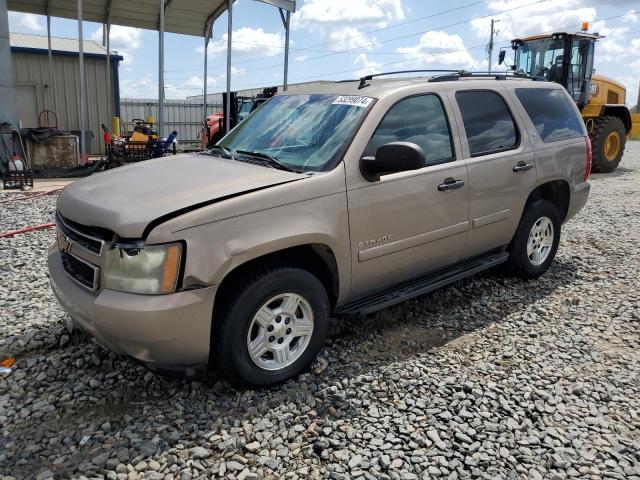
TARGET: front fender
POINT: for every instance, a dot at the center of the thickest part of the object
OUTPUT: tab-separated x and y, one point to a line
215	249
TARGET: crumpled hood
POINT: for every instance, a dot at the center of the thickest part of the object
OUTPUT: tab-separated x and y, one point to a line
127	199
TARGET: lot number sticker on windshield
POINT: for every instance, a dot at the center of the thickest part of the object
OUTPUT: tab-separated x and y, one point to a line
353	100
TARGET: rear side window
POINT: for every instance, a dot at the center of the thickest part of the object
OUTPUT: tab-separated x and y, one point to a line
551	113
487	121
420	120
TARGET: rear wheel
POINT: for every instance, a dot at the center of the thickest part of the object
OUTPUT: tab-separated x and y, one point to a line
535	243
608	139
272	328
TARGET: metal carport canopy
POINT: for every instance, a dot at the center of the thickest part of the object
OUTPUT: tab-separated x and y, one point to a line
187	17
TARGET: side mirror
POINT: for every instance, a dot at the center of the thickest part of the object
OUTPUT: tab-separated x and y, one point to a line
391	158
501	56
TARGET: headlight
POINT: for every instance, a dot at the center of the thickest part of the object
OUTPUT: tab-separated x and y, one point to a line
149	270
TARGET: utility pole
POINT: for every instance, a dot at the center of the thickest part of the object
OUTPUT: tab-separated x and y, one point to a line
490	45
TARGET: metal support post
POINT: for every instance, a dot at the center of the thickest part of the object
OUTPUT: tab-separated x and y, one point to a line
107	34
161	72
52	79
83	147
204	106
227	113
286	21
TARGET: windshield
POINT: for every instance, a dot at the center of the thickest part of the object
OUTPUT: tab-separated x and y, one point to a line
541	58
304	132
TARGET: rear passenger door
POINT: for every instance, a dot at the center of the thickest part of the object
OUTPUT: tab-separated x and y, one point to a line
500	163
559	138
408	223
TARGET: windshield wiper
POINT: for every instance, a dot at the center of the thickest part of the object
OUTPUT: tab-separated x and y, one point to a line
225	151
270	159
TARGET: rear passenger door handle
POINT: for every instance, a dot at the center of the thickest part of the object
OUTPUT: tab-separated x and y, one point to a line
450	184
522	167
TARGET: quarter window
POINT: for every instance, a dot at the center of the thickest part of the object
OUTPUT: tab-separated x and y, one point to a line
551	113
420	120
487	121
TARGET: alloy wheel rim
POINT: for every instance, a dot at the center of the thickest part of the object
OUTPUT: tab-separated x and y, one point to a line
540	241
280	331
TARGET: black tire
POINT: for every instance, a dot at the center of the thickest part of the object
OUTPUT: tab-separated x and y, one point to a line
229	341
602	129
519	262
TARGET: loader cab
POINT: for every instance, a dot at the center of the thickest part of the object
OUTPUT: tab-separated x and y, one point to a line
563	58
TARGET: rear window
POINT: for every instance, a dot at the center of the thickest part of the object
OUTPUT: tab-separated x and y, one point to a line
551	113
487	121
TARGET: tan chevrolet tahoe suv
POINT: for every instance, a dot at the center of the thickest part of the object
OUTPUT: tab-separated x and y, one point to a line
333	199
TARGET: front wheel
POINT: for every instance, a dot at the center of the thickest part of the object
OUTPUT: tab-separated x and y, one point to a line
272	328
608	139
535	243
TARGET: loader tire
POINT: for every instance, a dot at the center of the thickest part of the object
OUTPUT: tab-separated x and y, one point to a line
608	139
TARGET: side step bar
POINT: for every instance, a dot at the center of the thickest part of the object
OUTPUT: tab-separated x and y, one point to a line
420	286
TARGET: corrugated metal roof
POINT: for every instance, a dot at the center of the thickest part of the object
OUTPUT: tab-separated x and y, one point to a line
23	40
188	17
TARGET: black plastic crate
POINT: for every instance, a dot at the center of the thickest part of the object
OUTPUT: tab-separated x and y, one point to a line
17	179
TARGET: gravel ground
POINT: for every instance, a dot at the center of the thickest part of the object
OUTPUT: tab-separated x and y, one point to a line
491	377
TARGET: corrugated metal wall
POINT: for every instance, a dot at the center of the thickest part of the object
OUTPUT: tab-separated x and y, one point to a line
184	116
32	68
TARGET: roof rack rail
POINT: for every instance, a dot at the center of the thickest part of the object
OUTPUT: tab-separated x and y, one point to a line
363	80
449	75
497	76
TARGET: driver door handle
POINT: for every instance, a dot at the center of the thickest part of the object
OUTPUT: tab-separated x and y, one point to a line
522	167
450	184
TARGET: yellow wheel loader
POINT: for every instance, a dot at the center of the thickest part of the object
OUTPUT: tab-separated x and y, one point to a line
567	58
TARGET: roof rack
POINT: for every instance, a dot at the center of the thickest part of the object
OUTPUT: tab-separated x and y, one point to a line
449	75
366	78
497	76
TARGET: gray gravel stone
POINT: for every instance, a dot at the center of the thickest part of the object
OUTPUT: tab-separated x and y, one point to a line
491	377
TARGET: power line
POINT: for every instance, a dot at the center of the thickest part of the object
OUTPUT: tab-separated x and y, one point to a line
402	37
433	15
456	51
430	54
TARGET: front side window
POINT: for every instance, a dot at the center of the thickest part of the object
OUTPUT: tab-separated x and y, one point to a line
487	122
551	113
420	120
303	132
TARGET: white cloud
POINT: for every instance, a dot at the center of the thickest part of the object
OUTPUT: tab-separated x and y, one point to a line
546	17
438	48
525	19
631	84
341	21
125	40
631	17
142	87
348	38
250	41
174	88
368	66
25	23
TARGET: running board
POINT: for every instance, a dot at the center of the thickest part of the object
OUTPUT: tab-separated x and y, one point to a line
423	285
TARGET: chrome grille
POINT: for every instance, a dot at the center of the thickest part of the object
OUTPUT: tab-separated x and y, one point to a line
93	239
82	272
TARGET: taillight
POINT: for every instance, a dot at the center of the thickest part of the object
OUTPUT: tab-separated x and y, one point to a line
587	170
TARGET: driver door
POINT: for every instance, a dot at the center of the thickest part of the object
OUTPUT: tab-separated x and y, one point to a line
409	223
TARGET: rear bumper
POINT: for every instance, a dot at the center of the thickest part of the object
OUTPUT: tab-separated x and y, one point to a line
169	333
579	198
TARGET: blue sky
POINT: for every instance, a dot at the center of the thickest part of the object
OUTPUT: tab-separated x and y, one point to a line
337	39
